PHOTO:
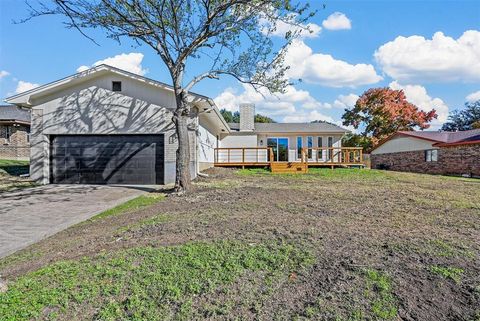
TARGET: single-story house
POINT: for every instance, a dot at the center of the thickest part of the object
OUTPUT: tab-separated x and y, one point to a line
109	126
287	140
14	132
447	153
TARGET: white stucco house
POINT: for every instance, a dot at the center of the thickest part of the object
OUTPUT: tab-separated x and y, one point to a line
109	126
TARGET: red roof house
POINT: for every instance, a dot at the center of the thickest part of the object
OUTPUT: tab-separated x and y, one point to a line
448	153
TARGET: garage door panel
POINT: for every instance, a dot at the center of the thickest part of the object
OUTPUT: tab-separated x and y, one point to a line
122	159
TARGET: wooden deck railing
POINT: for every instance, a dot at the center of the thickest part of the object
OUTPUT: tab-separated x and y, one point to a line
246	156
263	156
334	155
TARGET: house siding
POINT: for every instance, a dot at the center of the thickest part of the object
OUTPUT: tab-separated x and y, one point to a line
403	144
207	142
452	160
17	146
238	141
92	108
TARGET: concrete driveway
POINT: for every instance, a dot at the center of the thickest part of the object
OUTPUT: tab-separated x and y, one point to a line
31	215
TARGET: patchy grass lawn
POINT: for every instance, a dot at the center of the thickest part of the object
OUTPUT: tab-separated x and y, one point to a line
134	204
251	245
10	170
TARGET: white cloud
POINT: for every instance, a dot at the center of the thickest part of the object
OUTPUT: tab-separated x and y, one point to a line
473	97
4	73
23	86
309	30
307	117
325	70
418	96
441	58
273	105
345	101
131	62
337	21
293	106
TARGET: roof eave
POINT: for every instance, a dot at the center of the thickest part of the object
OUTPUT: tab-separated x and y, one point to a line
219	114
472	142
24	99
400	133
15	121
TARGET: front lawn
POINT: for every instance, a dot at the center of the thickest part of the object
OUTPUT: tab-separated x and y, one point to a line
250	245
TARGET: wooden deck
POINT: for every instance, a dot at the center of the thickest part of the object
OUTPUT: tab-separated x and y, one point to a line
309	157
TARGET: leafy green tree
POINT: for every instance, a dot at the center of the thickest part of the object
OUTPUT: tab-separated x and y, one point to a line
355	140
263	119
232	37
235	117
229	116
466	119
322	122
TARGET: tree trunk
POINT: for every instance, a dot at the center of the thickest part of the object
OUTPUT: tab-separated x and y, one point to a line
180	118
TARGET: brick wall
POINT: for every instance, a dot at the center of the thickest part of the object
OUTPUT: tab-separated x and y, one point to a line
17	147
453	160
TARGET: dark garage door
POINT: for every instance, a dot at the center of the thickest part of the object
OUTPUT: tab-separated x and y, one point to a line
107	159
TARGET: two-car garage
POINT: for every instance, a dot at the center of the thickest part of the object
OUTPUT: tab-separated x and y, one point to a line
107	159
109	126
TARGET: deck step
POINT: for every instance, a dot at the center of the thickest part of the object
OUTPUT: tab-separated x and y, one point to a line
289	167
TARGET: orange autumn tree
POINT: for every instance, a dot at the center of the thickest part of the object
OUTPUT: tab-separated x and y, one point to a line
380	112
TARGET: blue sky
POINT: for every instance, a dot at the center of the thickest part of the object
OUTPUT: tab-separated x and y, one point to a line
431	49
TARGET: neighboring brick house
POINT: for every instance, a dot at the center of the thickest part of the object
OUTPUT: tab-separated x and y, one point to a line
446	153
14	133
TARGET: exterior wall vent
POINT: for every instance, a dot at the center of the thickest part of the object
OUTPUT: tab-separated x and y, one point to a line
116	86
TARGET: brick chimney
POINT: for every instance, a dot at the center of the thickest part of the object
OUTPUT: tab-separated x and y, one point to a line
247	117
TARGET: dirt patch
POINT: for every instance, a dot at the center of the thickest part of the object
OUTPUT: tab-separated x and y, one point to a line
397	224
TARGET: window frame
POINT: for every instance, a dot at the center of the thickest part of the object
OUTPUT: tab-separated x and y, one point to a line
299	148
329	150
309	147
431	155
320	147
8	133
116	82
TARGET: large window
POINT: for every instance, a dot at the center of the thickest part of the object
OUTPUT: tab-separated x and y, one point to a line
299	147
8	133
310	146
279	148
431	155
320	145
330	150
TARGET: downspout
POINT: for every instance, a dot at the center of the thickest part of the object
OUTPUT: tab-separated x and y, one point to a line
197	150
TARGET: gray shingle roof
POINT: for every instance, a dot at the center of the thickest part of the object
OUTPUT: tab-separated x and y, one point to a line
446	137
11	112
293	128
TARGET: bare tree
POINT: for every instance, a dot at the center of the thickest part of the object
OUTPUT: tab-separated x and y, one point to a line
234	35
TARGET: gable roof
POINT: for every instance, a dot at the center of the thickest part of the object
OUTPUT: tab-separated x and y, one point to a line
293	128
14	114
24	99
443	137
440	138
